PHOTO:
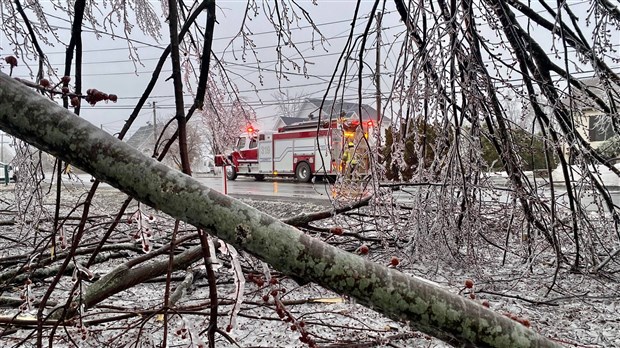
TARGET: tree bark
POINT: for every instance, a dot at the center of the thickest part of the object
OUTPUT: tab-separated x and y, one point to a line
423	306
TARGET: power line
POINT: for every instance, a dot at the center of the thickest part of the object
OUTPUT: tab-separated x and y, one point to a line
350	97
149	45
247	67
220	53
241	91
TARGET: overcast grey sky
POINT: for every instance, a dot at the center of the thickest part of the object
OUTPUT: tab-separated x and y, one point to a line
108	68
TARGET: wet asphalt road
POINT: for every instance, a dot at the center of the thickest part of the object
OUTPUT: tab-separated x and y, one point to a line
284	189
280	189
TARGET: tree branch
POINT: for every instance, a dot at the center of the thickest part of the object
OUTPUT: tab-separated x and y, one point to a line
425	307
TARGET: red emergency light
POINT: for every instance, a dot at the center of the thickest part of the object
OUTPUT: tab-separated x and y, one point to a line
250	130
370	124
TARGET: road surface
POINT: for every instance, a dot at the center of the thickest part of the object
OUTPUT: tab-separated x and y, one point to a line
281	189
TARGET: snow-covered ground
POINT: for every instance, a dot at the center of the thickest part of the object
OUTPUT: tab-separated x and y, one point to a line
600	172
574	309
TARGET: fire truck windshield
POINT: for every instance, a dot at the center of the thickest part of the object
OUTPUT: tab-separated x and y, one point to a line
253	143
240	143
244	143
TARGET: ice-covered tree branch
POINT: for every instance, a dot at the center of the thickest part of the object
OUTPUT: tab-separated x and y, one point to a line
425	307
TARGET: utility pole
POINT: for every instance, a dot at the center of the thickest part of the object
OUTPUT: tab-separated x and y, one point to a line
378	73
2	147
154	123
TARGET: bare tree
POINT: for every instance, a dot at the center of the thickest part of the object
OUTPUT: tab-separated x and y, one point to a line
196	142
65	263
225	118
426	307
288	104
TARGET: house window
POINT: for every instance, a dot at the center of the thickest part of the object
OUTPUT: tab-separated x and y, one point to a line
600	128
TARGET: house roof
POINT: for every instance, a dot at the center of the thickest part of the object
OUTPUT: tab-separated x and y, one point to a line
583	101
290	120
334	108
142	137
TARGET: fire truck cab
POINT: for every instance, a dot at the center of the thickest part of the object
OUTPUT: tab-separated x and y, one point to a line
301	150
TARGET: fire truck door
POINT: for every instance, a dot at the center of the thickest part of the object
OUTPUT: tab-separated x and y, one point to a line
265	154
336	145
323	156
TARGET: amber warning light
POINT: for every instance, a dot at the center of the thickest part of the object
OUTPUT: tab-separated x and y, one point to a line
250	130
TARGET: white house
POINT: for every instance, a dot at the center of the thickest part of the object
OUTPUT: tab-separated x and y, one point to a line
310	109
312	106
144	140
591	122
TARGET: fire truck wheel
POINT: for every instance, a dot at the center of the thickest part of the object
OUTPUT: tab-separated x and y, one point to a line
302	172
259	177
231	173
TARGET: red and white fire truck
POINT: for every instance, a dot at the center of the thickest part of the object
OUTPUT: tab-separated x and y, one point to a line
301	150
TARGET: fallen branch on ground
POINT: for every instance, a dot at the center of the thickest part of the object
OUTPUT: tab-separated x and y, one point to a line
424	307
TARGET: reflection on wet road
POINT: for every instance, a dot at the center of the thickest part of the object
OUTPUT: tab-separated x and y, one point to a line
290	190
269	187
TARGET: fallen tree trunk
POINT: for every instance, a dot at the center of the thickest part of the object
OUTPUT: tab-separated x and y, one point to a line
427	308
